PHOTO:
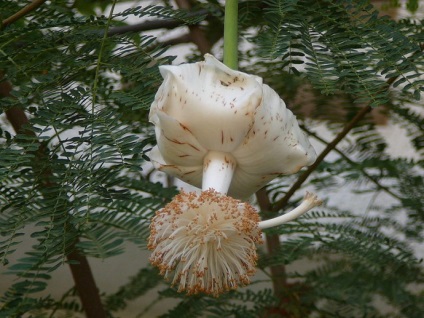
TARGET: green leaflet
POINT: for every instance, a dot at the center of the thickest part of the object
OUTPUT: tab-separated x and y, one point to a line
82	172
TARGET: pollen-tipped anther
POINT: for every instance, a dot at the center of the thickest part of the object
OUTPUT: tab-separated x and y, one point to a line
205	242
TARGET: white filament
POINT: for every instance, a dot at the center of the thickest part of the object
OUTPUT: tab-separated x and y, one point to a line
309	201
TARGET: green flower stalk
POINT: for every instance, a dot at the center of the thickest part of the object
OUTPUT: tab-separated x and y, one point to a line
231	34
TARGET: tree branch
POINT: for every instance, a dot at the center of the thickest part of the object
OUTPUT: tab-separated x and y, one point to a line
197	35
353	163
278	272
302	178
330	146
153	25
182	39
24	11
85	284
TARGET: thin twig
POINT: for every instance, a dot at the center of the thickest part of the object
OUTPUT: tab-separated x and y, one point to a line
273	241
353	163
153	24
330	146
24	11
182	39
302	178
198	36
278	272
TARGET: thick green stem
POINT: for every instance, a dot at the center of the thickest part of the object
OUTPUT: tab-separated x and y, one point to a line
231	34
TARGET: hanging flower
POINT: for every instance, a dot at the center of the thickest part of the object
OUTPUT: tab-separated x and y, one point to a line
205	113
226	132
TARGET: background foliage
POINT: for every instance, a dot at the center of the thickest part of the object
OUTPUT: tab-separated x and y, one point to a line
76	179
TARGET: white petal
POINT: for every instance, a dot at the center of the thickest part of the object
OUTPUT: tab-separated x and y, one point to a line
176	143
190	174
275	144
207	107
244	184
214	102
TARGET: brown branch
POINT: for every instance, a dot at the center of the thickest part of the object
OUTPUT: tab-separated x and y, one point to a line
21	13
153	24
278	272
353	163
330	146
182	39
198	36
81	271
302	178
273	241
85	284
145	26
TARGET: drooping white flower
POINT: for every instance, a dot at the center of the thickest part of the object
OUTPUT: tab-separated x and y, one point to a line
225	132
204	110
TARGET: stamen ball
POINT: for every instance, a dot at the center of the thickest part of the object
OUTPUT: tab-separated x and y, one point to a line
205	243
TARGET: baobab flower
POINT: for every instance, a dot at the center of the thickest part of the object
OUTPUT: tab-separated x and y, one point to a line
228	133
205	112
